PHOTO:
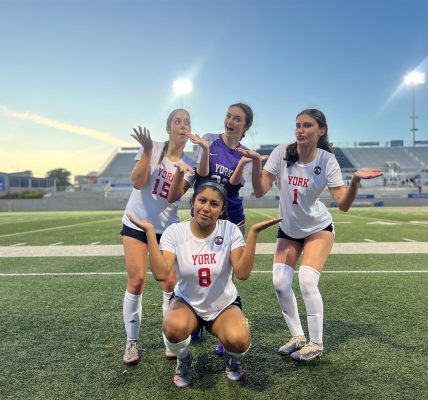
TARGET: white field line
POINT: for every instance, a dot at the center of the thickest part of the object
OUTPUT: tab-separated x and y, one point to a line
59	227
261	248
18	244
56	244
370	241
262	213
409	240
420	271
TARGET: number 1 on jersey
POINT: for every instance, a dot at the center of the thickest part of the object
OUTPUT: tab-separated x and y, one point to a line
296	192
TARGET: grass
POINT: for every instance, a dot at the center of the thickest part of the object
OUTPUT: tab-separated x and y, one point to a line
63	337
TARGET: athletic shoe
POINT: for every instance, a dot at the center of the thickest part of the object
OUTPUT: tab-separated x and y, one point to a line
169	354
197	334
183	372
308	352
296	343
219	350
234	371
131	352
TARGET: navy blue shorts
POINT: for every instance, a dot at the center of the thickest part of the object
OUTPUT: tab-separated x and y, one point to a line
282	235
136	234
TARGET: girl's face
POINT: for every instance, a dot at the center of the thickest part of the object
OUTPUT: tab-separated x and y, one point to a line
308	131
234	122
180	125
208	206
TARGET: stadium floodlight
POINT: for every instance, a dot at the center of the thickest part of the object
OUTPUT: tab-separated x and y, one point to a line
182	87
414	78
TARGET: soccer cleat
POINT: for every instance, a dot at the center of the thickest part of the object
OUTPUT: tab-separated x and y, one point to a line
183	372
234	371
169	354
308	352
197	334
296	343
219	350
131	352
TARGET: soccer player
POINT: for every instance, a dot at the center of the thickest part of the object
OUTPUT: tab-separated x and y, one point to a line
217	160
303	169
205	252
151	177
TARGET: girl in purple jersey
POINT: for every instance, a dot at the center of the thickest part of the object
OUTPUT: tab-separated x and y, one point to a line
205	252
152	176
217	160
303	170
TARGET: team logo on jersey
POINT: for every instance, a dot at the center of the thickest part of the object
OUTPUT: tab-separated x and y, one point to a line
317	170
218	240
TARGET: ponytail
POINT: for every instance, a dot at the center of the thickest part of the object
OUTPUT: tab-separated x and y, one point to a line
164	150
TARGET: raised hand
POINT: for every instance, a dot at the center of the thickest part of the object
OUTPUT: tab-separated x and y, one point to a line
144	225
368	173
250	154
183	167
261	226
142	136
196	139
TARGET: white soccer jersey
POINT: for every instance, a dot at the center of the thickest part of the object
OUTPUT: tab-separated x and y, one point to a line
203	266
300	187
151	203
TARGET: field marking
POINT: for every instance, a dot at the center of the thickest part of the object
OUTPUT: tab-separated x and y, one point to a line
56	244
262	213
370	241
59	227
94	243
261	248
409	240
18	244
416	271
382	223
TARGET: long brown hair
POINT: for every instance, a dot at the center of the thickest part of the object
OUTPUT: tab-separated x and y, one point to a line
168	126
291	155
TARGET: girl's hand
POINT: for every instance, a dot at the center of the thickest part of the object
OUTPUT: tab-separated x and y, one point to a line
142	136
367	173
144	225
196	139
251	155
183	167
261	226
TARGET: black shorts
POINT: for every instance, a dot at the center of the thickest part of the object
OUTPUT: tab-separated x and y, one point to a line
136	234
207	324
282	235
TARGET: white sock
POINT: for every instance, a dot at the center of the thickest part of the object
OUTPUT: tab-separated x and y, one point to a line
308	279
180	349
165	303
132	309
282	281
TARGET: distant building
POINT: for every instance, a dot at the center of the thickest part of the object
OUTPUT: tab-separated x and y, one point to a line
18	182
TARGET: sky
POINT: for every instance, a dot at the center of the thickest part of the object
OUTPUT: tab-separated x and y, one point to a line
76	76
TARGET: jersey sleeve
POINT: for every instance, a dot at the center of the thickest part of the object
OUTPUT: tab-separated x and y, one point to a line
334	174
237	238
273	163
156	152
168	239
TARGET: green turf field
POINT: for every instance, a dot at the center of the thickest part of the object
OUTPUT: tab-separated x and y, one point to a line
63	337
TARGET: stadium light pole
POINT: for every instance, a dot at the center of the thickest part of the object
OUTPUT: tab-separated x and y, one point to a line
182	87
414	78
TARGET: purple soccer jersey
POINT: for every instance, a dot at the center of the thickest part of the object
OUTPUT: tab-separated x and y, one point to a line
223	161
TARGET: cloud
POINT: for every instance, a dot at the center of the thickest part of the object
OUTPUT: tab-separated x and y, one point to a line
39	119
